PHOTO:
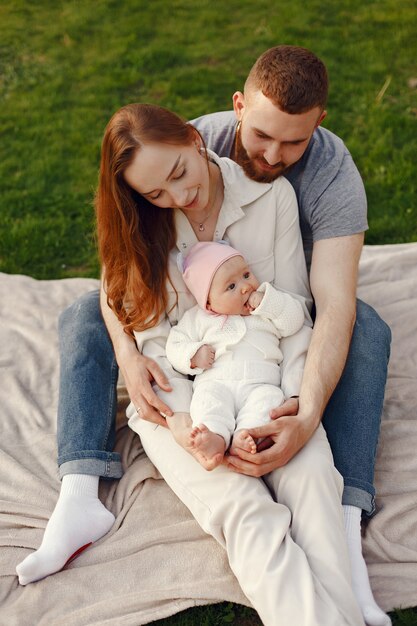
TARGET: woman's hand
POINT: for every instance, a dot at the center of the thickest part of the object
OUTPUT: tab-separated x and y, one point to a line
138	373
284	436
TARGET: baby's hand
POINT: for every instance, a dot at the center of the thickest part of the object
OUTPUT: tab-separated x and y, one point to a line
203	358
255	299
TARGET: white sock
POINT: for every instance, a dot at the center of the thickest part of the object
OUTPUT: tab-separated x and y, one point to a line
79	519
372	614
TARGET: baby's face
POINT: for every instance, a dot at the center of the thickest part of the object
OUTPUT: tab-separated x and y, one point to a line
231	287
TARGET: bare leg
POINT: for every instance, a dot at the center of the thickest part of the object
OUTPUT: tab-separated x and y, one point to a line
206	447
242	440
180	425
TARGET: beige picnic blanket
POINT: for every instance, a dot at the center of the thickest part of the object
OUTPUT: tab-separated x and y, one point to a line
156	561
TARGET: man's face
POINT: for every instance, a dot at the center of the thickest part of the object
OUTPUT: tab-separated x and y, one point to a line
269	141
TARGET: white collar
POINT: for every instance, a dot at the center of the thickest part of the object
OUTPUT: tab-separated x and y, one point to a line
239	191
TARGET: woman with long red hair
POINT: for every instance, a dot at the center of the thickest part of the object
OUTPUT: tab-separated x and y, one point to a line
160	191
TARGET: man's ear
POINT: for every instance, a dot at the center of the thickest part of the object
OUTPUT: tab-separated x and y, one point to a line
238	104
321	118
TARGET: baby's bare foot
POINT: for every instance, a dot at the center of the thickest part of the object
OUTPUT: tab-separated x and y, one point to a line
242	440
207	447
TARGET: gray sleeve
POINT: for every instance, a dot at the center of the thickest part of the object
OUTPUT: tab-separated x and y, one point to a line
218	131
340	208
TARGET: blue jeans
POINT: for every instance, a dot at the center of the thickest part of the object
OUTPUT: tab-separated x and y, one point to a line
353	415
88	399
87	392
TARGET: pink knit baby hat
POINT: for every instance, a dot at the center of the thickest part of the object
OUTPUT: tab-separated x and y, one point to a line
200	265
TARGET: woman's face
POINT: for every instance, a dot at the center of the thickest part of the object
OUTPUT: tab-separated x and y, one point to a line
171	176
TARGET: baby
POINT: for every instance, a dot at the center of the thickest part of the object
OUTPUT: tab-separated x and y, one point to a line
230	342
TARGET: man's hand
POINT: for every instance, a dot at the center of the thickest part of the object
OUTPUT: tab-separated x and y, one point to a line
284	436
289	407
203	358
138	373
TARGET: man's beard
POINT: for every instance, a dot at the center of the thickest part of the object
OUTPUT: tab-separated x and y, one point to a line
249	165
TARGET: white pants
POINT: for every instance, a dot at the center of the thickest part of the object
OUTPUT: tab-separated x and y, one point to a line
288	549
228	405
237	394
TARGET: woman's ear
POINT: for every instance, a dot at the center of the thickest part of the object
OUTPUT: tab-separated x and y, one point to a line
197	140
198	144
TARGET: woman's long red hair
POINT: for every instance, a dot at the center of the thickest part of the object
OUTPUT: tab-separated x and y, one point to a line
134	236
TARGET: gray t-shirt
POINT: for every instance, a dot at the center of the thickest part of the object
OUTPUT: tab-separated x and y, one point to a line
330	192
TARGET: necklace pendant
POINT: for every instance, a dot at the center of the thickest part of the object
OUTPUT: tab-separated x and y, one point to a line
201	227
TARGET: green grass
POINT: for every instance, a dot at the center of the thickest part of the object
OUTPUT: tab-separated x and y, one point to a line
65	67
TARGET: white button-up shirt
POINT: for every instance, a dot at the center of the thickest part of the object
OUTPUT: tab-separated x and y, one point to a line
261	221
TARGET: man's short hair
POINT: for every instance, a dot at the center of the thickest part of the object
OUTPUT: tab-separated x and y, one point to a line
293	78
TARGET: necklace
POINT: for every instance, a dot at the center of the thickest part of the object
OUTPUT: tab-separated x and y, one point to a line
199	224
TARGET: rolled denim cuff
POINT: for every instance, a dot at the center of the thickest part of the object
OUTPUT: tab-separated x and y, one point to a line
355	496
110	468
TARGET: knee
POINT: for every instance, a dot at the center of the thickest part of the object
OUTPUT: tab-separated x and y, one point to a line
81	314
319	468
323	477
371	333
308	473
82	332
324	471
